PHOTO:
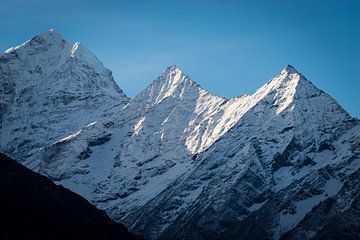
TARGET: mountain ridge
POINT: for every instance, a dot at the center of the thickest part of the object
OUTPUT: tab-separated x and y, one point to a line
53	35
200	166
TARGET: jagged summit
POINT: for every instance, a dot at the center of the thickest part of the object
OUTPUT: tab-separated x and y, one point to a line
172	75
290	69
55	46
172	68
289	72
50	35
289	85
288	77
46	39
171	83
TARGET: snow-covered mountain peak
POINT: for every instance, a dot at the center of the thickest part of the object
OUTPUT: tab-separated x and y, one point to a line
285	83
292	82
50	36
52	88
172	69
51	47
173	76
42	41
289	69
287	74
171	83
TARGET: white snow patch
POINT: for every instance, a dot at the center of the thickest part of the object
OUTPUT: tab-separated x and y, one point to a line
71	136
74	49
138	126
91	124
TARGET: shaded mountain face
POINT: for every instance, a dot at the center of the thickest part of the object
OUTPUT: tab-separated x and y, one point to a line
337	217
33	207
177	162
50	88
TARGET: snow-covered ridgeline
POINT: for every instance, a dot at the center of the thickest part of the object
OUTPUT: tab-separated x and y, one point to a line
177	154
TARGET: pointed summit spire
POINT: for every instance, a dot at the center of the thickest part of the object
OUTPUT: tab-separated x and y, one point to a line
172	68
289	70
172	76
173	72
49	37
51	33
42	40
171	83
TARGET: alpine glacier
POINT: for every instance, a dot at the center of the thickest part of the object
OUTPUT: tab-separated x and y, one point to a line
178	162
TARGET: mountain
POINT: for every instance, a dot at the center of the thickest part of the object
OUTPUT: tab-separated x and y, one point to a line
49	89
33	207
292	150
203	167
153	141
178	162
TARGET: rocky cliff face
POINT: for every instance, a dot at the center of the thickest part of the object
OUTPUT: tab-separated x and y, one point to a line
50	88
178	162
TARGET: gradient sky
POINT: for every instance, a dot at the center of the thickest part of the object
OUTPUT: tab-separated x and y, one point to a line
228	47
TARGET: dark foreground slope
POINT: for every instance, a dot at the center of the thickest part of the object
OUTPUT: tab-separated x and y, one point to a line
32	207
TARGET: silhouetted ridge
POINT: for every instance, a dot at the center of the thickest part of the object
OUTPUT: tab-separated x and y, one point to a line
32	207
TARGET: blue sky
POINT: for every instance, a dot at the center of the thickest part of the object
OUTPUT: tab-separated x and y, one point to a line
229	47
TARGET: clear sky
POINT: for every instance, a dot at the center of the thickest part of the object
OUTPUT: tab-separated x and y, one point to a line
228	47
